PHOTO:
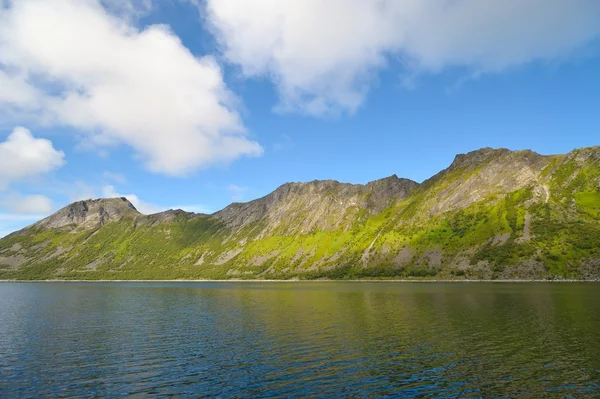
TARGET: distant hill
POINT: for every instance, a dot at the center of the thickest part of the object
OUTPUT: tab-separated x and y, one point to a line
494	213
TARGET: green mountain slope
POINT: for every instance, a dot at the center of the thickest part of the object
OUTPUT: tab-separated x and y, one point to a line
491	214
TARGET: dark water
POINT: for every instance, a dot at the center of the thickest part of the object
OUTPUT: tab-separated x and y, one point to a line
304	339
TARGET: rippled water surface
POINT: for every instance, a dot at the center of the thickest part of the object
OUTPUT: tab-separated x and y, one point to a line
299	339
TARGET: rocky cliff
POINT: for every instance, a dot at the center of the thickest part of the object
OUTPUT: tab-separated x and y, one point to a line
493	213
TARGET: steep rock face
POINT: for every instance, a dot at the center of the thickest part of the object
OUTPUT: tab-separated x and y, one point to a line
314	205
168	216
89	214
490	214
480	174
384	192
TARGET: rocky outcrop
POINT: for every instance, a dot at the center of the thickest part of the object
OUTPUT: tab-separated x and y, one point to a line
490	214
169	216
477	175
89	214
326	204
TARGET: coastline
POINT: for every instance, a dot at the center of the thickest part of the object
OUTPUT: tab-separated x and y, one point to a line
301	281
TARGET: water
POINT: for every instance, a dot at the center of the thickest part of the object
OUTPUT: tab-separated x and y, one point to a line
299	339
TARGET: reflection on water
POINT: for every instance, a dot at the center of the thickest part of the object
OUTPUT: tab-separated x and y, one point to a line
304	339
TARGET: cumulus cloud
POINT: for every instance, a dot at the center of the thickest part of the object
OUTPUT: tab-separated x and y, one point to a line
28	204
73	63
18	211
109	191
128	8
10	222
78	191
16	92
144	207
322	55
24	156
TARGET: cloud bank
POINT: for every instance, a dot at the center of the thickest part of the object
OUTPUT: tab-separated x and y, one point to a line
72	63
109	191
147	208
28	204
322	55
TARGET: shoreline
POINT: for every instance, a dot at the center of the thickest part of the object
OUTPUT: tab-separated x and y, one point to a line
299	281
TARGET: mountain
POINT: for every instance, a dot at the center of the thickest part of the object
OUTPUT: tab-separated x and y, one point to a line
492	214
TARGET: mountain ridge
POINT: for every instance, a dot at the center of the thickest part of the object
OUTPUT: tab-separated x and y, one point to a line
492	213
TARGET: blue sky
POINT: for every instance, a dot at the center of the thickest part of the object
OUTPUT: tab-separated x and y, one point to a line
195	104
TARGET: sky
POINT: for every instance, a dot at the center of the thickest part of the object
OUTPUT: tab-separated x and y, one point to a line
195	104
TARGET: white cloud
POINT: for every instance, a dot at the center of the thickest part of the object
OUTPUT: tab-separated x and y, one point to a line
16	92
23	156
109	191
78	191
12	217
28	204
73	63
146	208
322	55
128	8
18	211
10	222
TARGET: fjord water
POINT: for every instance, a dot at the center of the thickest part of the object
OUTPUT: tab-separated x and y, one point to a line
299	339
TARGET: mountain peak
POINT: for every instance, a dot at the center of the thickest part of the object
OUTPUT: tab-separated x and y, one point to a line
171	214
90	213
384	192
483	155
393	179
492	214
582	154
477	156
322	199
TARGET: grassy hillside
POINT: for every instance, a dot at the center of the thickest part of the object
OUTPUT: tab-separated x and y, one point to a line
491	214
